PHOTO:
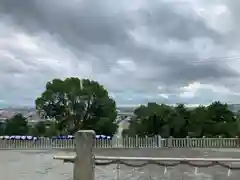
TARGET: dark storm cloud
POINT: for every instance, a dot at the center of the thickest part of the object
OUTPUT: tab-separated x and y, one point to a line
103	32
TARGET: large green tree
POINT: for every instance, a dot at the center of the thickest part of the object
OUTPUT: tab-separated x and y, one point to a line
220	120
179	121
17	125
78	104
39	129
2	128
152	119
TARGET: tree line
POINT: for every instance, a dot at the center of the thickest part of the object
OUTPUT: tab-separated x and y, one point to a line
73	104
179	121
18	125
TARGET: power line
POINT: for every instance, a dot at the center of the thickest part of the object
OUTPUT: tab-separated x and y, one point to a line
215	60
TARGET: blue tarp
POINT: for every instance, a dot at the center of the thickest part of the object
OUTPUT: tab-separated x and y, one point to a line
19	137
54	138
72	137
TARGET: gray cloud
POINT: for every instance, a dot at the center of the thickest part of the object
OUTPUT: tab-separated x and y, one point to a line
136	46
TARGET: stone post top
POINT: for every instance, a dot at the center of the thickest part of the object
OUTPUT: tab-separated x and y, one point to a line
86	132
84	138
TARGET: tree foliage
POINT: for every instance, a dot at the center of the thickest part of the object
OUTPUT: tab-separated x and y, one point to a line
17	125
2	128
179	121
78	104
39	129
73	104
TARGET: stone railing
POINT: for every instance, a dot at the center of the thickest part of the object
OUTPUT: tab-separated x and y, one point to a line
124	142
85	161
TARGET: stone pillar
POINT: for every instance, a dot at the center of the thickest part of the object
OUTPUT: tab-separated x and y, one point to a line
159	145
84	162
170	142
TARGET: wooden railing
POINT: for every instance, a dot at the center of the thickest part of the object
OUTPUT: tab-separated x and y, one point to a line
85	161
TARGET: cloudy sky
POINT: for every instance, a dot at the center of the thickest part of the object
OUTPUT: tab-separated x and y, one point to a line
168	51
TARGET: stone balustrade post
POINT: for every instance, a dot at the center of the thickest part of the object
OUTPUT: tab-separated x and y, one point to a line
84	161
170	142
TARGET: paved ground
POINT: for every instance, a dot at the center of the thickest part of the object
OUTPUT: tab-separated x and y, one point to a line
182	172
34	165
170	152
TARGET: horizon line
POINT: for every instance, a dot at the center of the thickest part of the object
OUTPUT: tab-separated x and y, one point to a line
119	106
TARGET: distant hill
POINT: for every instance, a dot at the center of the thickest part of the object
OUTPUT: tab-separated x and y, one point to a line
31	112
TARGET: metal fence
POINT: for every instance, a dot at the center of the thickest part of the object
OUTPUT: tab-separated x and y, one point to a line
86	163
125	142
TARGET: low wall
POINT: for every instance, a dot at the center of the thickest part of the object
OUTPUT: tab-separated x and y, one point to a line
168	152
